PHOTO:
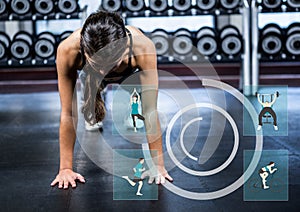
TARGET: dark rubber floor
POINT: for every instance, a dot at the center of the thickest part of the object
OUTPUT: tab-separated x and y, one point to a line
29	160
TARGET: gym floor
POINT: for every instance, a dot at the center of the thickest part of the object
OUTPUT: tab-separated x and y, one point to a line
29	161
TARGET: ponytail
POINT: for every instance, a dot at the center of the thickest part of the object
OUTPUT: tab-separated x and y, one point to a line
93	108
103	41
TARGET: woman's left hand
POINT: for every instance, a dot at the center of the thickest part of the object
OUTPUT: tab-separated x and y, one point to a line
159	174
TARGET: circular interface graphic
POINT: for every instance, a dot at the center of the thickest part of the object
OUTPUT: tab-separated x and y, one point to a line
182	134
168	138
252	166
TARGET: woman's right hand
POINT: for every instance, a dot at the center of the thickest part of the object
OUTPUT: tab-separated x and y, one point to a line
66	177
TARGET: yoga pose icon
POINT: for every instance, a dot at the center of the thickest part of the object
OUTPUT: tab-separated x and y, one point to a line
134	102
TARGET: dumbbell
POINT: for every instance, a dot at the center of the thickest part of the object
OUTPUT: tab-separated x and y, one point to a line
3	7
158	5
44	46
111	5
229	4
206	5
4	45
21	44
271	39
3	50
182	43
134	5
271	5
44	7
206	41
181	5
293	4
230	39
292	43
161	40
20	7
67	6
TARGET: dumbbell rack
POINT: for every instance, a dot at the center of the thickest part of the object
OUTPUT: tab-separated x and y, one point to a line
242	58
34	74
255	55
193	10
35	17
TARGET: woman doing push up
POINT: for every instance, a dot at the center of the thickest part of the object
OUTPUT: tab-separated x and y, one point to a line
122	49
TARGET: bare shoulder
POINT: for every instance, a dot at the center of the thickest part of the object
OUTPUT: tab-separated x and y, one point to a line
72	42
141	43
144	53
68	50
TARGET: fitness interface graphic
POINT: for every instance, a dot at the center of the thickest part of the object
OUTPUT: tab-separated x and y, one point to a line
185	108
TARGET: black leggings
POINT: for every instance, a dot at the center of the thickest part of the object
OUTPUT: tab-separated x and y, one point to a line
267	110
139	117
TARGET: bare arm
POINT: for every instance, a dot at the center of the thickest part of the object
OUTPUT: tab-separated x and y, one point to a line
138	98
274	99
66	85
271	169
67	63
131	97
147	61
149	82
259	100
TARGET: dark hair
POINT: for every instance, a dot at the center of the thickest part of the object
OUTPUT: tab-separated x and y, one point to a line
103	40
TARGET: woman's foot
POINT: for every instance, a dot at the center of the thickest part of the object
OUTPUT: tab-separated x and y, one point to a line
94	127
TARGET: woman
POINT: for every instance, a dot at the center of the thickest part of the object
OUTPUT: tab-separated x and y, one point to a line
106	33
134	102
138	170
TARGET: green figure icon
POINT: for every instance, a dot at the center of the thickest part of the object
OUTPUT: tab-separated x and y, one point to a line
267	110
138	170
264	173
134	102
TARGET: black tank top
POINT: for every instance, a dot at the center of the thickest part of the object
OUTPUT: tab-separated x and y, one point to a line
119	77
